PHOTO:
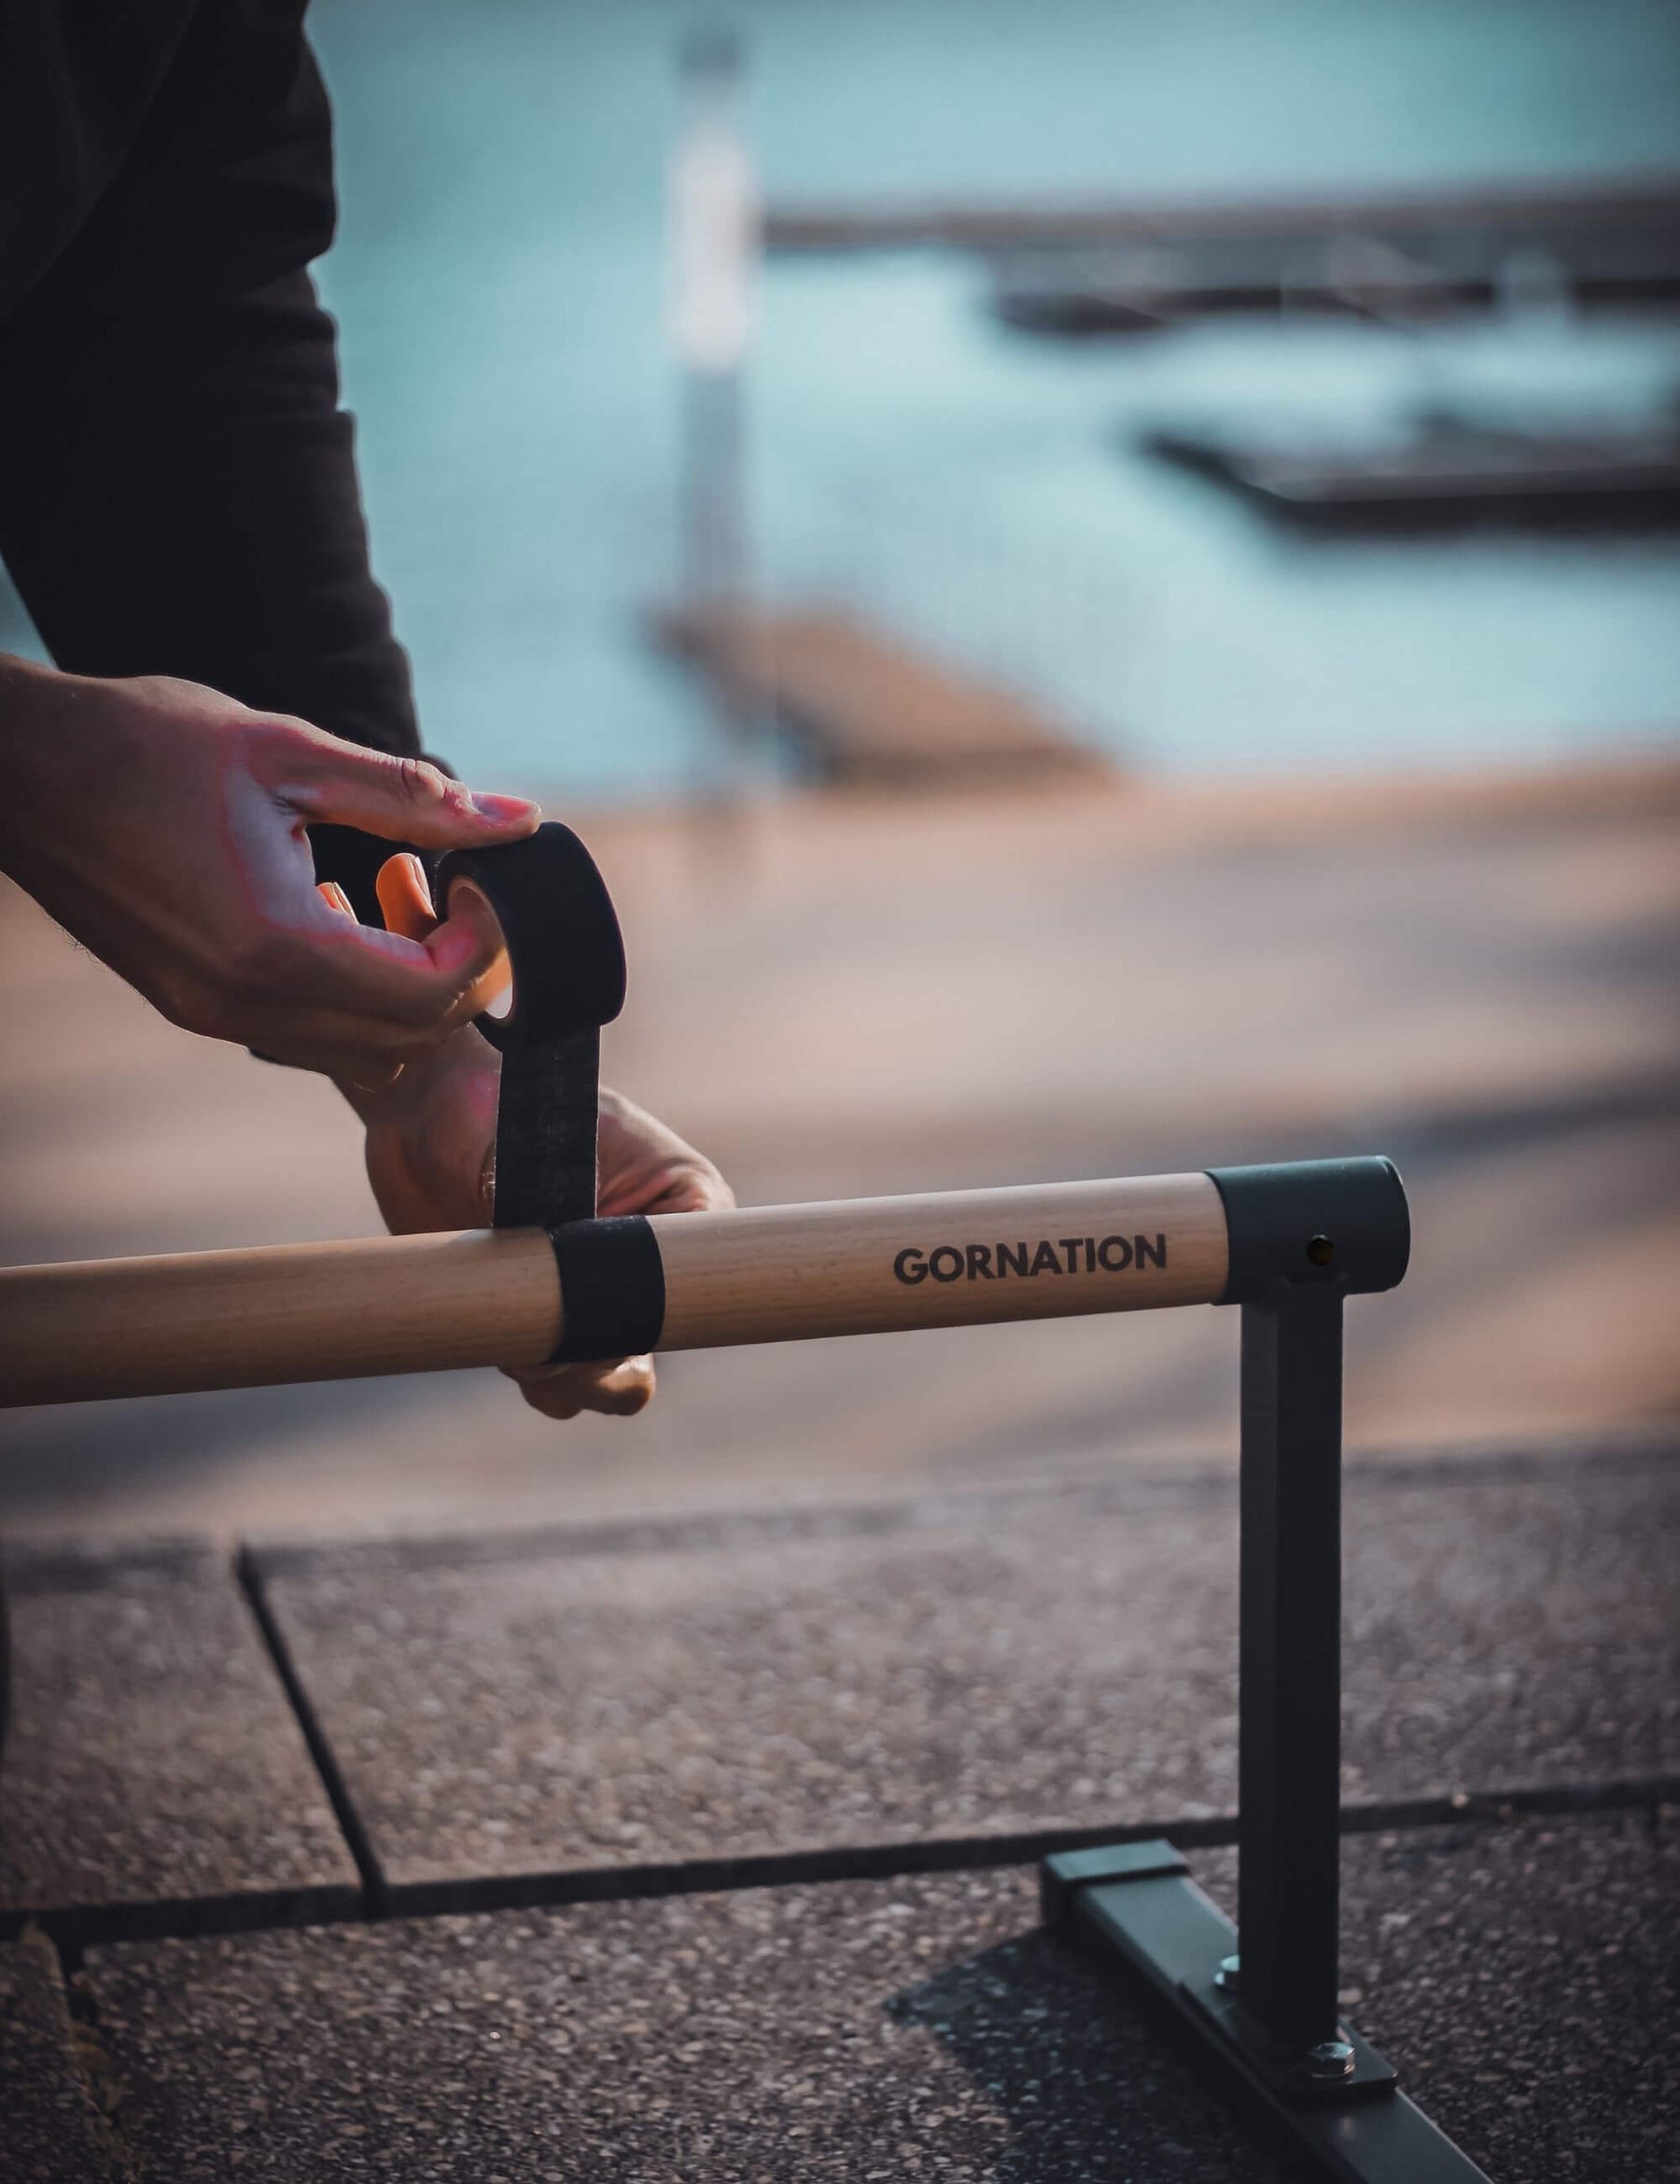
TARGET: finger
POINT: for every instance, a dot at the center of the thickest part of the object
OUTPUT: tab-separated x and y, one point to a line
645	1168
560	1391
418	990
335	899
468	906
402	799
697	1188
405	897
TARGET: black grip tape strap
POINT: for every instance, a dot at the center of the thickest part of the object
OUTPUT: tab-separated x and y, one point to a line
612	1294
561	930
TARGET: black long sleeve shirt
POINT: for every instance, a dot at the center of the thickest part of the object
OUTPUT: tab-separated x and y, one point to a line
178	492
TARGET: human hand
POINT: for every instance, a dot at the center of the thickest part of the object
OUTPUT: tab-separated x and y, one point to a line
431	1161
162	825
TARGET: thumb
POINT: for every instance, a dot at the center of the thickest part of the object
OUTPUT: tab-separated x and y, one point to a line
401	799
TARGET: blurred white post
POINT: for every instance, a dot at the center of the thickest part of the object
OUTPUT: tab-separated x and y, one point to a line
715	242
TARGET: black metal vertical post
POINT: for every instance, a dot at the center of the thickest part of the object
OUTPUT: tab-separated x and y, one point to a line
1300	1238
1290	1732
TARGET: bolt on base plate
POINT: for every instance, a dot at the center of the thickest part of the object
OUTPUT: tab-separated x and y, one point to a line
1342	2069
1135	1908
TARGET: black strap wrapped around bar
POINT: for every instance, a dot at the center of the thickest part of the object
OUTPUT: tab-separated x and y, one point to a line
613	1295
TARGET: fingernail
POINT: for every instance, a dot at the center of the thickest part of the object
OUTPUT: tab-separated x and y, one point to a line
422	884
504	811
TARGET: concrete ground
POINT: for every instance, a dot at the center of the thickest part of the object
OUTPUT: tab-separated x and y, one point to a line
702	1850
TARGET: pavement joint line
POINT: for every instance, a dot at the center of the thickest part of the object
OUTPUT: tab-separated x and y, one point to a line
1134	1494
358	1841
102	2090
75	1928
979	1853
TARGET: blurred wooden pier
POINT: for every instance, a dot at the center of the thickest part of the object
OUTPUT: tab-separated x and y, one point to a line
1071	268
1632	220
868	710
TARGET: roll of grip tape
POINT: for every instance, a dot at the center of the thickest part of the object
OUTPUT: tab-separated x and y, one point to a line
561	931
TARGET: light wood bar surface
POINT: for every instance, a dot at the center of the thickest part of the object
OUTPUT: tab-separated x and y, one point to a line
777	1273
251	1319
770	1274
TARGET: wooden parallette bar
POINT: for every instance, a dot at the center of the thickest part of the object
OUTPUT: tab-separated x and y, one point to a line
425	1303
951	1259
253	1319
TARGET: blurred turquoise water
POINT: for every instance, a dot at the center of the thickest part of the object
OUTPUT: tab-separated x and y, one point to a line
500	283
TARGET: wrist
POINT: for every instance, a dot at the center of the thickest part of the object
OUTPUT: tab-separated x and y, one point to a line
39	748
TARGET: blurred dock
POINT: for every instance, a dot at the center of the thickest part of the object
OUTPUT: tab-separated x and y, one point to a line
867	709
1074	267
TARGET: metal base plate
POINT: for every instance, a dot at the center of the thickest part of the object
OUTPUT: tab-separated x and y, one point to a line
1369	2077
1136	1906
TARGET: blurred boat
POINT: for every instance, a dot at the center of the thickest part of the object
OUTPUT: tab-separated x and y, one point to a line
1449	470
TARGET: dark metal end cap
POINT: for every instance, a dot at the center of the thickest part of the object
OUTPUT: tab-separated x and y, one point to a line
1342	1221
1064	1873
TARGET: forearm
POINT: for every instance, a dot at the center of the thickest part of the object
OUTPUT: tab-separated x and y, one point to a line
221	544
178	490
44	760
